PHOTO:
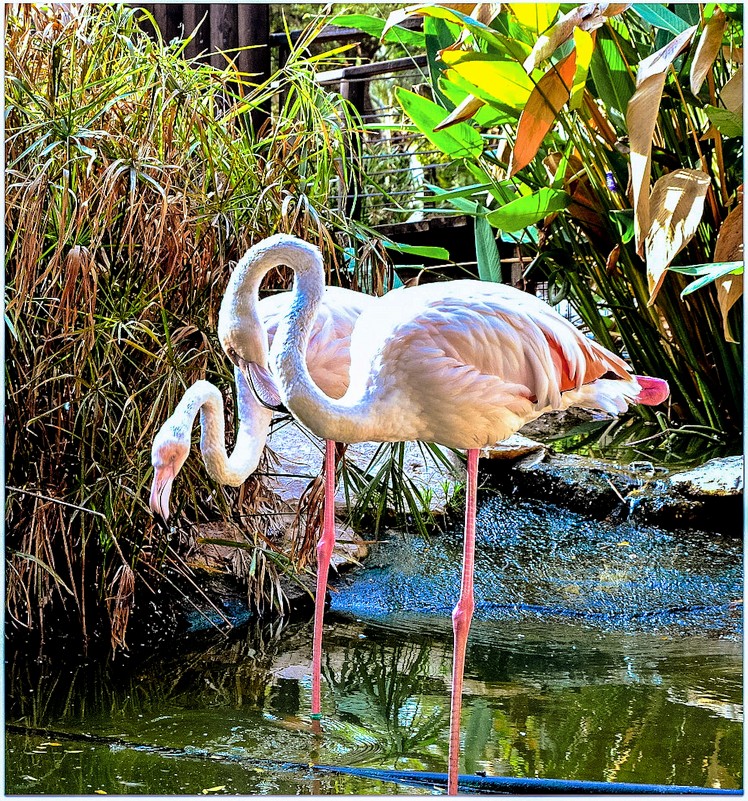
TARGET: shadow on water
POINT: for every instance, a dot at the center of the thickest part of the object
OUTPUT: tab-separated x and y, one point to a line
591	658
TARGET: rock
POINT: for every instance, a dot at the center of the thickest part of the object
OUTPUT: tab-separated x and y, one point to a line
715	477
513	448
707	498
300	456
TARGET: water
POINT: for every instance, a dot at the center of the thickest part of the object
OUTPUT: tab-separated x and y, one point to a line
600	652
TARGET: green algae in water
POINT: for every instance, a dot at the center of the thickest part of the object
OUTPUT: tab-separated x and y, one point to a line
600	652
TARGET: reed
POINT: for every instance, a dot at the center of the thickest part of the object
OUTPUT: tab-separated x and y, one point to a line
134	179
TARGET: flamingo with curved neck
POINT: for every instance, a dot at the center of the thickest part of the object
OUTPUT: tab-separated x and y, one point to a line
247	329
171	445
461	363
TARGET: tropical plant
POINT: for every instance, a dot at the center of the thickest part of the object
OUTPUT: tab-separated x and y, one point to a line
561	117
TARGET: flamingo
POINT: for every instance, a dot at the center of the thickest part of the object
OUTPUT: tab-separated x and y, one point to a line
461	363
327	358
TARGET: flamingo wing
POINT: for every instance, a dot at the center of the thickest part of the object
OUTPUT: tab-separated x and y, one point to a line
468	363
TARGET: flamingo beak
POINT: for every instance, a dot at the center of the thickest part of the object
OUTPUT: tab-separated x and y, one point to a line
163	478
262	384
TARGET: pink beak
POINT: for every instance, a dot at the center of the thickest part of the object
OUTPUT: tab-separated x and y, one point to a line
654	390
163	478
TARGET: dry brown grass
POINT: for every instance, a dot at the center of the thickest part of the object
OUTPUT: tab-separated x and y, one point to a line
132	183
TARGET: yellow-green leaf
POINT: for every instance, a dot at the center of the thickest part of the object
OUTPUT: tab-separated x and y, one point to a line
707	49
584	44
527	210
538	116
675	208
535	16
504	83
459	141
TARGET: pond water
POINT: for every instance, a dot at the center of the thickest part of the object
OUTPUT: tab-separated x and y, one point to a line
600	652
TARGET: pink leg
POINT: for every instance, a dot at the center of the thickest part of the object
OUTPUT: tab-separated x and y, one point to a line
324	552
461	618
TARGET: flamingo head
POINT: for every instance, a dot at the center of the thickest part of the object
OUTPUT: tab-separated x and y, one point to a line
170	450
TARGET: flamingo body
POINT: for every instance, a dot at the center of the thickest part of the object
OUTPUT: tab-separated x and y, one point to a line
463	363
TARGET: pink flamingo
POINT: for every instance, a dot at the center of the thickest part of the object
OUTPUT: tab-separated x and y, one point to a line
327	358
462	363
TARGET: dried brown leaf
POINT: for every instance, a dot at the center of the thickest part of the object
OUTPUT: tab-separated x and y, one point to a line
641	118
729	292
675	208
732	93
729	245
659	61
707	49
469	106
588	17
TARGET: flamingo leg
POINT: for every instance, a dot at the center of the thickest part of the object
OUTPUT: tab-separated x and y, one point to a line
461	619
324	553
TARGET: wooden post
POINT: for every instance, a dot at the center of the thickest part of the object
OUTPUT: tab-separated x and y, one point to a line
353	89
254	31
224	32
193	14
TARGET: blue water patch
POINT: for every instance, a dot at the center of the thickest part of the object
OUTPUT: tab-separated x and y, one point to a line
535	560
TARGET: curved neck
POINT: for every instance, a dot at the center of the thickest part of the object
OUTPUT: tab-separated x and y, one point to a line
341	420
254	422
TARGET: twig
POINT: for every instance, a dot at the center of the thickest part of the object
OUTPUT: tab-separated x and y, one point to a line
56	500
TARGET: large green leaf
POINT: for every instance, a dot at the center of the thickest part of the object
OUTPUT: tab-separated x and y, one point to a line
429	251
374	27
487	117
527	210
656	14
613	82
503	83
487	252
726	122
458	141
438	34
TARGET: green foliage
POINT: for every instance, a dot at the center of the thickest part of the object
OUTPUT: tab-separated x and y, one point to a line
569	207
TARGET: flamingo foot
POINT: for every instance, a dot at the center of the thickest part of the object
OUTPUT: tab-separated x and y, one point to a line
461	619
324	553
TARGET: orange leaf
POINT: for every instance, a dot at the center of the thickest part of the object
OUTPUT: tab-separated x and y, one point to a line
544	103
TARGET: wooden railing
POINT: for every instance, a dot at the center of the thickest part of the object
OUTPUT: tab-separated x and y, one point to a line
229	28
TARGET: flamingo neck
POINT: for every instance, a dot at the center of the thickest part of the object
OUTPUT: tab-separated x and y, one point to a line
337	420
254	421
